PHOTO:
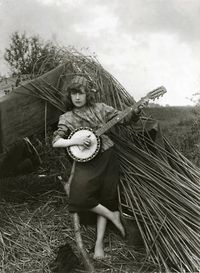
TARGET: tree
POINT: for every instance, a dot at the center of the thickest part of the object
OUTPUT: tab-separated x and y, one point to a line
190	142
30	55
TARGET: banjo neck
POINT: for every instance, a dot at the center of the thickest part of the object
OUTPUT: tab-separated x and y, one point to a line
151	95
117	119
81	154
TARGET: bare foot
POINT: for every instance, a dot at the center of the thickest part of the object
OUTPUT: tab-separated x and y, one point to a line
99	251
118	224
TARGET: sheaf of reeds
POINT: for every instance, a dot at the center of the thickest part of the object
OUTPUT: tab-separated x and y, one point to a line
159	187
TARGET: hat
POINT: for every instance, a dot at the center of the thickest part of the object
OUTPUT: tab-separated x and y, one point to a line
79	80
82	80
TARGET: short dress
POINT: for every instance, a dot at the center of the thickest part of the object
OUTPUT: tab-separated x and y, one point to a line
94	182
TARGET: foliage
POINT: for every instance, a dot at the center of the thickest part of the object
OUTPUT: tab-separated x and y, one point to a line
30	55
191	140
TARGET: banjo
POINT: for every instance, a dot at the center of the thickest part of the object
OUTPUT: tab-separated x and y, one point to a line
82	154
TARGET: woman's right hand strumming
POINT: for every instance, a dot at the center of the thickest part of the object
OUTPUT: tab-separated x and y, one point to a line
82	141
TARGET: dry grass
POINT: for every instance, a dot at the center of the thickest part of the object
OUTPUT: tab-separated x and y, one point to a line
31	232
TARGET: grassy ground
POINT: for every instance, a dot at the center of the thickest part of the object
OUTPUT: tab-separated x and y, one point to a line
35	221
32	230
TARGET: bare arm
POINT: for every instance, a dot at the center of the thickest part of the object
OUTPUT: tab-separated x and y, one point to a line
64	143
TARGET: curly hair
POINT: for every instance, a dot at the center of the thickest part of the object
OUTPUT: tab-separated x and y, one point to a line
90	99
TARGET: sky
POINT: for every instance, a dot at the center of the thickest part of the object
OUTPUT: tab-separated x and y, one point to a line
142	43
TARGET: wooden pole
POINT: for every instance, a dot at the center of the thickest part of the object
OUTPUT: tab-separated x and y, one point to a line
45	122
76	222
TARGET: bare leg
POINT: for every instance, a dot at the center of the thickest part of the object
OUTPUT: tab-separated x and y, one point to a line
114	217
101	227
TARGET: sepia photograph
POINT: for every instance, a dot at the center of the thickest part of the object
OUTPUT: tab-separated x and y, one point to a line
99	136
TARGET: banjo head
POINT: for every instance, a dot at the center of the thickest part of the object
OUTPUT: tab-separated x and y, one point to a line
80	153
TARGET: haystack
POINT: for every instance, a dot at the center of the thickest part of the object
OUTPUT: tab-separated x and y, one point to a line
160	188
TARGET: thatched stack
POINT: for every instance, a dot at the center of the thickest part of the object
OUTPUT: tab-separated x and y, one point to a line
159	187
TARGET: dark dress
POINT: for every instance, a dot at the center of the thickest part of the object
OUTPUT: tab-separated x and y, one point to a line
94	182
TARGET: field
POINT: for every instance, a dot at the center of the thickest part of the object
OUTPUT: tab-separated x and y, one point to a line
171	117
34	217
180	125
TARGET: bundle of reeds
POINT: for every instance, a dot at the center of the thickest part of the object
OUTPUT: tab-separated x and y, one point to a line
159	187
163	196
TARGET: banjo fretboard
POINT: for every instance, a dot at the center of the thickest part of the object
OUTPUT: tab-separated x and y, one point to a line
151	95
117	119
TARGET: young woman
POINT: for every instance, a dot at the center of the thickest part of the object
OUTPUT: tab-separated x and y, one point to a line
94	184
